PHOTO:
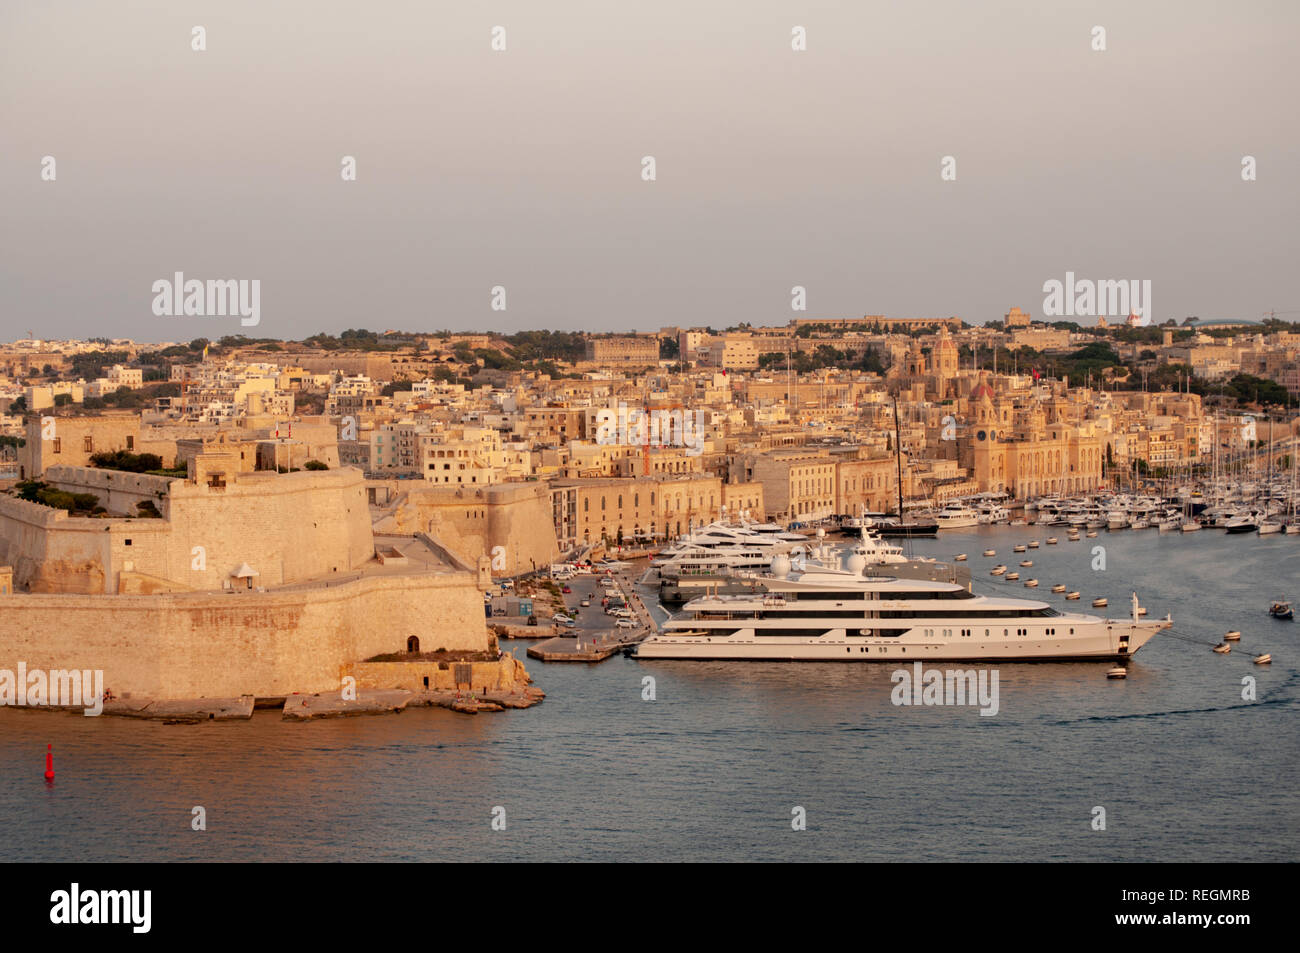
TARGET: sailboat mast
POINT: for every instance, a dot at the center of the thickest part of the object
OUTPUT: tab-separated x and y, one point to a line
898	456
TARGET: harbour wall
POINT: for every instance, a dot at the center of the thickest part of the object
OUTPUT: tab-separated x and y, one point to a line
214	644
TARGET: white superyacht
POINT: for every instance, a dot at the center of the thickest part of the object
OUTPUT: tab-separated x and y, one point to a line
829	614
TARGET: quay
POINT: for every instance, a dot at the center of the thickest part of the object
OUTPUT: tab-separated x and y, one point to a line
572	649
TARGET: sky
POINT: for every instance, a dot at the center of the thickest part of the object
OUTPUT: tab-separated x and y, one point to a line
522	168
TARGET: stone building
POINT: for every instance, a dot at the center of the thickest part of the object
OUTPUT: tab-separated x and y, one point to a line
631	350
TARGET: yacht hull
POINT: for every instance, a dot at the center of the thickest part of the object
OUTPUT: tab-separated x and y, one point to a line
1099	640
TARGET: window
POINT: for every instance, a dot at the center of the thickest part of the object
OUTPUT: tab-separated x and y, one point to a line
58	445
88	443
130	444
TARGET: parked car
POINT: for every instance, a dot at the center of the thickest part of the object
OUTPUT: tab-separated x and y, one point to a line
498	611
560	617
507	583
623	613
625	624
532	620
584	603
566	590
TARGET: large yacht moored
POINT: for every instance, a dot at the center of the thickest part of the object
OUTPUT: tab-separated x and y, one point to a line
829	614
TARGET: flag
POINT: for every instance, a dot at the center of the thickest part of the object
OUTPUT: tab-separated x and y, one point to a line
1034	371
205	352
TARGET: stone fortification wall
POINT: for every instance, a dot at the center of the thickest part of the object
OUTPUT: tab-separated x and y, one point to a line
192	645
290	528
472	523
118	491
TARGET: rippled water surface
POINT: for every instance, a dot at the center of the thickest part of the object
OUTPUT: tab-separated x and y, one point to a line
713	767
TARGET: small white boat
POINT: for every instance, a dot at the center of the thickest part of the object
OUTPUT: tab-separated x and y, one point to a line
960	557
1100	602
1264	659
1051	541
990	552
1072	596
1026	563
997	570
1092	534
1269	527
1031	583
1033	544
1012	576
1020	547
1142	610
1059	587
1233	636
1223	648
1190	526
1117	672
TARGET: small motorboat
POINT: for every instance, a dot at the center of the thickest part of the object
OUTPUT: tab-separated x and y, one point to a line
1233	636
990	552
1059	587
1025	563
1100	602
1012	576
997	570
1264	659
960	557
1052	541
1072	596
1031	583
1092	534
1223	648
1241	524
1033	544
1117	672
1020	547
1281	610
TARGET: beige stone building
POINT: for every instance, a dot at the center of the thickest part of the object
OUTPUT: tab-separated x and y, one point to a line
652	507
632	350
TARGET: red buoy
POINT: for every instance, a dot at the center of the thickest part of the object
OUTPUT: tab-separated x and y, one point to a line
49	762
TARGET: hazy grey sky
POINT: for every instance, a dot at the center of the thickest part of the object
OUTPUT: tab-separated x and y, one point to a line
522	168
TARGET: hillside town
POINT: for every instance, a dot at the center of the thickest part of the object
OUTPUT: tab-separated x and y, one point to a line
643	436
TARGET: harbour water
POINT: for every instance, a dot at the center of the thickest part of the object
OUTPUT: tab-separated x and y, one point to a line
715	766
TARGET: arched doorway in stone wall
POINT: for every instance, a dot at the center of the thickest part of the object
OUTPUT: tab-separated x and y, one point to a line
413	645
